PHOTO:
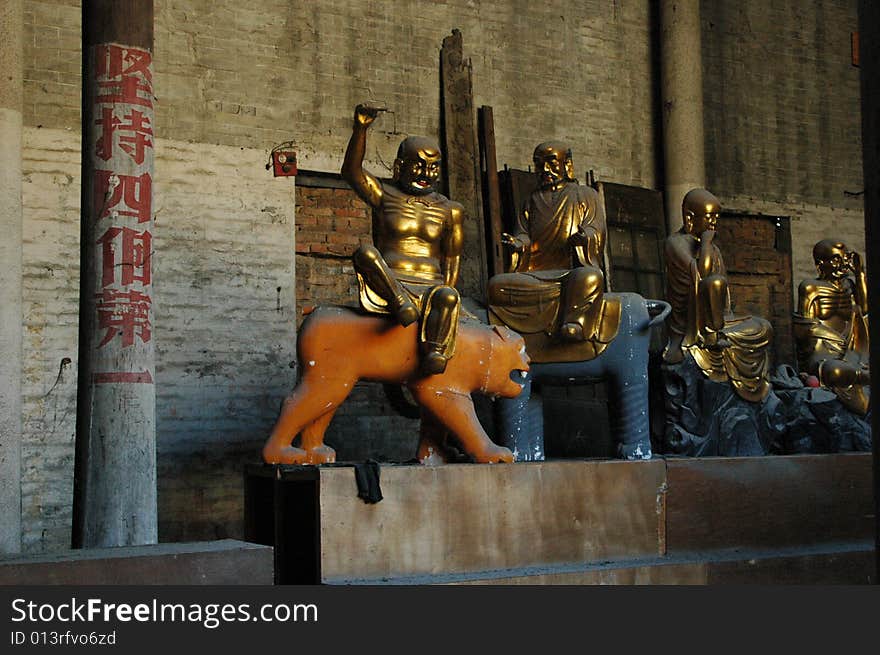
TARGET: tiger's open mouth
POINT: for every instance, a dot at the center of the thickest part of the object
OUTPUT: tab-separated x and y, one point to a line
519	376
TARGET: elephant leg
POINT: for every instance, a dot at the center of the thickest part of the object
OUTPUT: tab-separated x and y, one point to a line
628	409
520	423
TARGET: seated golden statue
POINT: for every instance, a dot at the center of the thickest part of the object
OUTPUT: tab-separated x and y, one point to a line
553	293
724	346
831	324
411	271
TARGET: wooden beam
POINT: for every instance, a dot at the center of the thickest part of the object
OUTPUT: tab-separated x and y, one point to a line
491	190
767	502
223	562
461	161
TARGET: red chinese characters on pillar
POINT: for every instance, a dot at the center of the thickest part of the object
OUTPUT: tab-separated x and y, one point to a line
122	193
134	261
125	260
124	314
124	75
133	191
135	134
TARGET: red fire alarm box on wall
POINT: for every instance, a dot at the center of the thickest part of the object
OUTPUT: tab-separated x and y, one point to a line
283	160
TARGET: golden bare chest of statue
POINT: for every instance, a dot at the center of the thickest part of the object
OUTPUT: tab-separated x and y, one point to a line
410	230
833	303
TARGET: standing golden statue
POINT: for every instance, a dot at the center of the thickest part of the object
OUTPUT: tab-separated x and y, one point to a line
555	286
724	346
831	324
411	270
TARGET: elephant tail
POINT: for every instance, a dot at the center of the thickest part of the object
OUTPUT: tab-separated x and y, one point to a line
658	310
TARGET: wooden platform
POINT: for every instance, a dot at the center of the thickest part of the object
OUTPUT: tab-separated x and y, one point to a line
223	562
800	519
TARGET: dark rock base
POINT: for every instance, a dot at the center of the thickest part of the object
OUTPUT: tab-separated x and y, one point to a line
705	418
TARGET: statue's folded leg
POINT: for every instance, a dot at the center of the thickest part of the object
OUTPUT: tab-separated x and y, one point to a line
840	373
581	304
441	309
371	266
712	292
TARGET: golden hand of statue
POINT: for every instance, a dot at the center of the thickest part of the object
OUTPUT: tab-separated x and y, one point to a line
512	242
707	236
365	114
855	262
581	237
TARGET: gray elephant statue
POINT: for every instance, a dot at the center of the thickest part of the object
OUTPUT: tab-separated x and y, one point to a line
623	364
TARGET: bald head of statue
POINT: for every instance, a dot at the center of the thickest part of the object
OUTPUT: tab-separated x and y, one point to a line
832	259
699	211
553	165
417	167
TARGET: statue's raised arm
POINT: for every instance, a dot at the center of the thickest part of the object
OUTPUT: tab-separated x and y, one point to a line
364	184
860	281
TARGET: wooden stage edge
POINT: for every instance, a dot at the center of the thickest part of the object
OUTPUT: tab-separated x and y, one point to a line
789	519
846	563
221	562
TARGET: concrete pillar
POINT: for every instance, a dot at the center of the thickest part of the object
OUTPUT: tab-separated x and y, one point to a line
681	67
869	61
11	26
115	470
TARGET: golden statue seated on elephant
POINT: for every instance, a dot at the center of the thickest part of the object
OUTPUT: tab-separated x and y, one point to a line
725	347
831	324
553	293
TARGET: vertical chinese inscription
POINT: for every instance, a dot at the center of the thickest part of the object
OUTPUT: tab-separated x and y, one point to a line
122	160
115	499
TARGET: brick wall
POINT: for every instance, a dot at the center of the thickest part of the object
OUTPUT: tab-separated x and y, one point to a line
295	69
759	275
256	75
330	225
809	223
52	63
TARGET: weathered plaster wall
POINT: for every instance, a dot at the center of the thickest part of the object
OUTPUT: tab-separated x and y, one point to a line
295	69
10	275
225	327
50	195
783	120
